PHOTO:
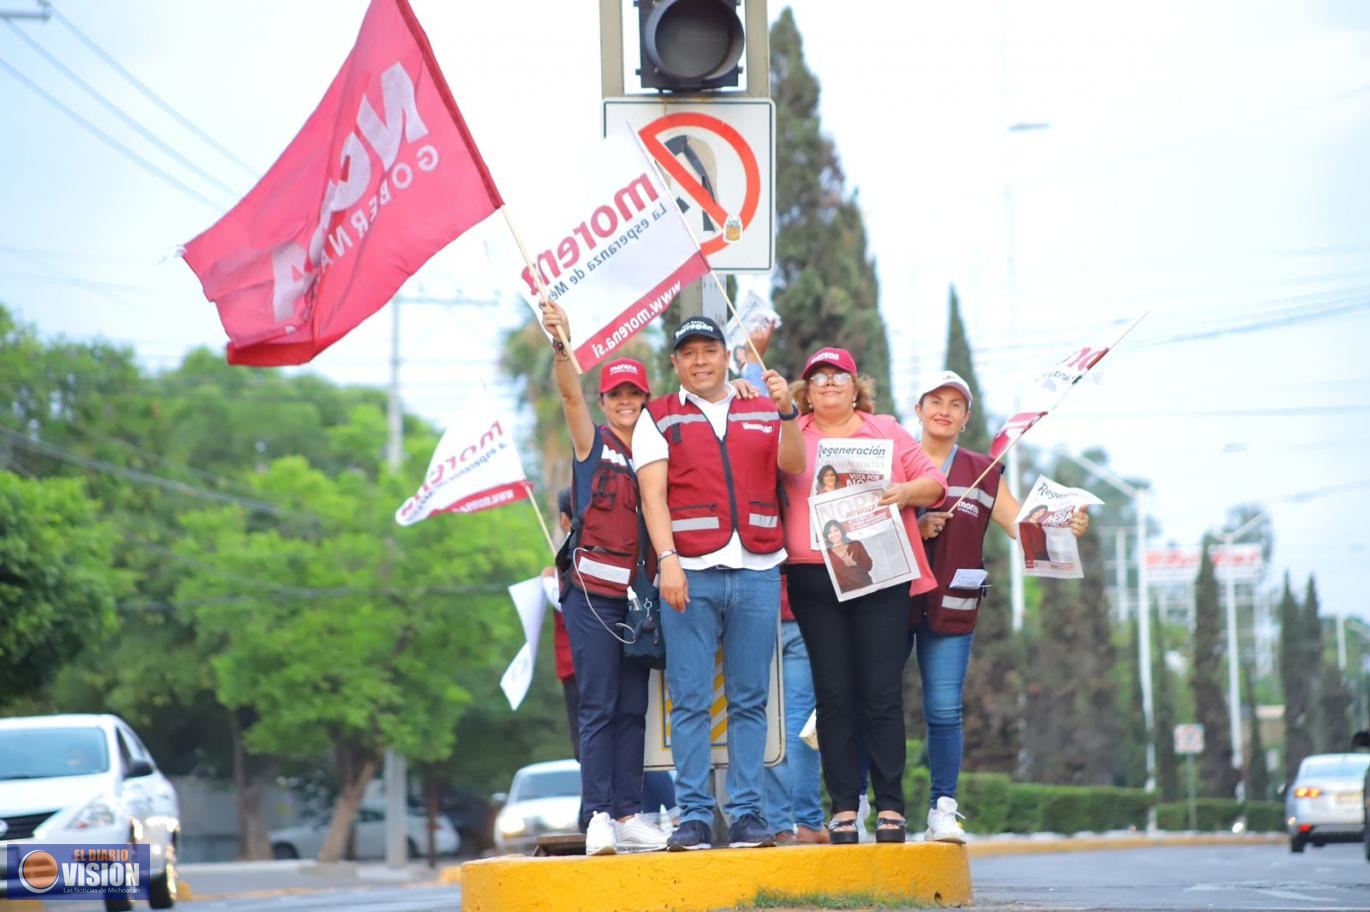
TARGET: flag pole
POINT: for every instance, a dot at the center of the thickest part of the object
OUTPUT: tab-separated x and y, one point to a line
726	300
537	511
536	276
1014	442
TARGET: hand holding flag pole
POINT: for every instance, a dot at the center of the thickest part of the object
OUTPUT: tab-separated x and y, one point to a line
536	275
537	511
1030	419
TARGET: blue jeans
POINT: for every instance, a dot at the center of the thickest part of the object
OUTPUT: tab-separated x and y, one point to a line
942	662
740	608
613	707
792	785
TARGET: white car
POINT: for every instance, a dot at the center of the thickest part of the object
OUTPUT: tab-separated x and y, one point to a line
87	779
304	841
1326	801
543	799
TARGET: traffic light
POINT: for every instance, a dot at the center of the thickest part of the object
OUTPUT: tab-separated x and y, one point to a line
690	45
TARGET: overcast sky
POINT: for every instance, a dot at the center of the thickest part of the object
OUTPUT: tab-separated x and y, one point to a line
1204	161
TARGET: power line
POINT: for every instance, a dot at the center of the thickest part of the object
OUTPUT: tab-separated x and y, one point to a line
176	487
110	140
118	111
150	95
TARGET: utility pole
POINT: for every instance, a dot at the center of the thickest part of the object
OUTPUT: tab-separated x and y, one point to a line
1234	718
396	773
1120	569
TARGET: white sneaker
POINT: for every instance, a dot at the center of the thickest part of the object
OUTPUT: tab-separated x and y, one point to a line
599	835
863	820
942	823
639	834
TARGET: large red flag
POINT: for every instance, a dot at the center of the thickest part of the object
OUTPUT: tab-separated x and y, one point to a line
383	175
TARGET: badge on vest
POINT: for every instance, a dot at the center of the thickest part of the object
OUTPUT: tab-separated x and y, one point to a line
763	428
968	506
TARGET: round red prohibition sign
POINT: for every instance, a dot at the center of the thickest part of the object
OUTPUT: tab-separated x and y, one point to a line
651	138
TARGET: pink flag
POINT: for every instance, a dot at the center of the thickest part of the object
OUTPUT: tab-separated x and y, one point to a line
383	175
1014	428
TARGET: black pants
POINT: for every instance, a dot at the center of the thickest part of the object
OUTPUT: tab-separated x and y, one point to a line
856	650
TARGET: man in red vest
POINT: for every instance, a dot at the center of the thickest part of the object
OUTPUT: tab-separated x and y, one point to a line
707	465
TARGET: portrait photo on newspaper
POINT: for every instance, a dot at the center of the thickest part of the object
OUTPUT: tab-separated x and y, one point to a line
1050	549
845	462
864	544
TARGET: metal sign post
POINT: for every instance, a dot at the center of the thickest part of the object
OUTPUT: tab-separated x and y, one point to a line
1189	741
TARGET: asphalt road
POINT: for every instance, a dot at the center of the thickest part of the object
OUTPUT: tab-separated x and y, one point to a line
1258	877
1192	878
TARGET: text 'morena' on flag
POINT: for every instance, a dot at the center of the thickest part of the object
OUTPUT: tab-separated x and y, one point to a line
475	467
623	256
383	175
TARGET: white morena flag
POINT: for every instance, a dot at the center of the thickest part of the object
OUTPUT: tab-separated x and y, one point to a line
531	604
475	467
623	255
1051	386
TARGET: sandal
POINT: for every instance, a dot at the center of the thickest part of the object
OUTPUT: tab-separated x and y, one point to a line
891	829
843	832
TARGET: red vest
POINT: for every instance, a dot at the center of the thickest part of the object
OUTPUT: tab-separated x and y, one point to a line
961	544
605	540
717	487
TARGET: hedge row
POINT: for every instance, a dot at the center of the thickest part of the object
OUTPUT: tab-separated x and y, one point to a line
994	803
1213	814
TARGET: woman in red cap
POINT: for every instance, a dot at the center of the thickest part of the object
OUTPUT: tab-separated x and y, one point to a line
856	647
944	617
596	566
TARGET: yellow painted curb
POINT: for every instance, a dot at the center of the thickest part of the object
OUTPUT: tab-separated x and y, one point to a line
20	905
183	891
932	873
1101	844
449	875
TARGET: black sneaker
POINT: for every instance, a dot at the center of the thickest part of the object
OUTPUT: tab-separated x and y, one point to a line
749	833
690	835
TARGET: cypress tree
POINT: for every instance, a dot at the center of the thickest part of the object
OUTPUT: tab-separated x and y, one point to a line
1332	704
1216	775
1296	681
1167	762
825	286
1257	773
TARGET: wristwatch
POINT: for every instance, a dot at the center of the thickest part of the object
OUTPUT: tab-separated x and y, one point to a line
792	415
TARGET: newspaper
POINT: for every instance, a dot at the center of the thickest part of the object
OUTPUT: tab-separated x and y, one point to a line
754	315
865	547
1049	547
842	462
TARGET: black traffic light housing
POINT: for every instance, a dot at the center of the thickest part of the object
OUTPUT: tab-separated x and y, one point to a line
690	45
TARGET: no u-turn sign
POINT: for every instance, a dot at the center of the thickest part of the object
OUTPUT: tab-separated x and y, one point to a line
719	158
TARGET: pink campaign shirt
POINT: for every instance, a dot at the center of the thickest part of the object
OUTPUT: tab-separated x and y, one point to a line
910	462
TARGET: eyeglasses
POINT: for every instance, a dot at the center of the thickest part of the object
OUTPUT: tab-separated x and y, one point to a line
840	378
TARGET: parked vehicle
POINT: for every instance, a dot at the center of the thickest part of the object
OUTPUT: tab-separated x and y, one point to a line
1326	801
305	840
87	779
544	798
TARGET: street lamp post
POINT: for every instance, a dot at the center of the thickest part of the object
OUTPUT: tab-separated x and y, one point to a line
1233	680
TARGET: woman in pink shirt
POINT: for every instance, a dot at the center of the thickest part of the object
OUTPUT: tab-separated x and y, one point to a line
856	647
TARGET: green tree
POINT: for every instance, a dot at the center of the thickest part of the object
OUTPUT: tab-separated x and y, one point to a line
825	289
58	585
331	653
1216	776
1073	729
1297	682
1332	700
1257	773
1167	716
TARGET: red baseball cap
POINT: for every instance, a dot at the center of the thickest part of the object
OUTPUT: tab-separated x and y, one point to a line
623	370
839	358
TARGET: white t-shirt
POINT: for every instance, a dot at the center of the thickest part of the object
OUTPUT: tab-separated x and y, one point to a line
650	446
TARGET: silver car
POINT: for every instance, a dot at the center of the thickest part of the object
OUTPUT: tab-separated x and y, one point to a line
1326	802
543	799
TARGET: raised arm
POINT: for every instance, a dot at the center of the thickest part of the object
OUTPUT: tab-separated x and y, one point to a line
791	457
1006	508
573	403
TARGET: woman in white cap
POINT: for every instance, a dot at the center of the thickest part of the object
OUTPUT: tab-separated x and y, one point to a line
944	618
857	647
